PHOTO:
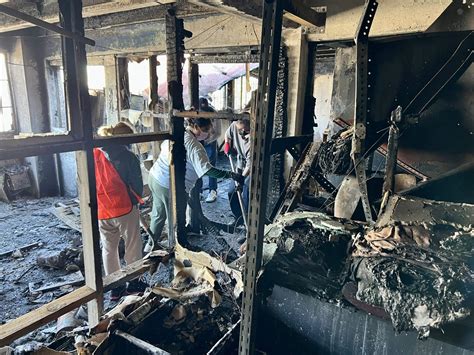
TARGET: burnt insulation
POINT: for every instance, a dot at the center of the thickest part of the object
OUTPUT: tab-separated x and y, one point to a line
334	156
420	288
279	127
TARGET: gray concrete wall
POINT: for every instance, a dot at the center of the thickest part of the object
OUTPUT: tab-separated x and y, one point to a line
29	92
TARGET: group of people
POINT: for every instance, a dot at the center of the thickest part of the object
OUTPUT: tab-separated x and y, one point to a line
120	186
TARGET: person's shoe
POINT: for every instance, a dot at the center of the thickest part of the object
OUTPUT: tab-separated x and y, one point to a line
136	286
149	246
212	196
117	293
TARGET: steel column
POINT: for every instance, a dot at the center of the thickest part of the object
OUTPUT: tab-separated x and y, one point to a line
360	122
262	128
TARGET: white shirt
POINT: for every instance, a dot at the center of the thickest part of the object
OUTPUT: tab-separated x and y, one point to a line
197	162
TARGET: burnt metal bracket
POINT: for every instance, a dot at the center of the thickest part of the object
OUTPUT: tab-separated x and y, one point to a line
360	121
391	161
279	145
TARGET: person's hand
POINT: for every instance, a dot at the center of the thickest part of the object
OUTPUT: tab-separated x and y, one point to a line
227	148
239	178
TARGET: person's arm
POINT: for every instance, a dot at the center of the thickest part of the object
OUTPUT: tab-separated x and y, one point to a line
225	174
228	140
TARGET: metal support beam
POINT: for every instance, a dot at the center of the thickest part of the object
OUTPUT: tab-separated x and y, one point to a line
75	66
297	11
262	129
46	25
391	160
360	123
175	57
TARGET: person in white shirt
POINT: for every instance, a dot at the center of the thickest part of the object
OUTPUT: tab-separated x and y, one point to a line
197	165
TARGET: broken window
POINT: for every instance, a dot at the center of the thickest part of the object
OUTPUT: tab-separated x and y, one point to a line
6	105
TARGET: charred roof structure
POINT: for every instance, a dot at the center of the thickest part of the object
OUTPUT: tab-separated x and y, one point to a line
361	206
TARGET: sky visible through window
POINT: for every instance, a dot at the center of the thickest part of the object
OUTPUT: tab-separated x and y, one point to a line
6	107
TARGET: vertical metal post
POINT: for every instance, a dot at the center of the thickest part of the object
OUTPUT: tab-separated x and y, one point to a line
391	159
78	104
360	122
175	56
262	129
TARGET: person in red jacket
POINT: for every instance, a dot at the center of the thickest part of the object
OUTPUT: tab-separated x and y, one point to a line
119	187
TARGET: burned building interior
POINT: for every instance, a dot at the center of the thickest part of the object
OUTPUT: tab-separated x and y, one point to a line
351	231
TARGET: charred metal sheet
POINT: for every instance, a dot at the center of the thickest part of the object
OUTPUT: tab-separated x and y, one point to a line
460	59
412	210
342	330
454	186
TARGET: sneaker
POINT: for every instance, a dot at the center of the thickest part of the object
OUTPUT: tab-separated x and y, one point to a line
117	293
212	196
136	286
149	246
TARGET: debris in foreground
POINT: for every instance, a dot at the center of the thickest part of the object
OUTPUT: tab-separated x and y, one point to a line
197	311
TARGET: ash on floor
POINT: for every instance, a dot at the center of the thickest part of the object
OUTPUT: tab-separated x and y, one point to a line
24	222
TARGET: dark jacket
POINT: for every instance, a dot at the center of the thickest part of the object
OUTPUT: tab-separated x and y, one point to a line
128	166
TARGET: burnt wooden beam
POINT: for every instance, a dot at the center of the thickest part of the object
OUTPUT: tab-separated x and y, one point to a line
123	83
79	113
44	314
175	57
43	24
193	77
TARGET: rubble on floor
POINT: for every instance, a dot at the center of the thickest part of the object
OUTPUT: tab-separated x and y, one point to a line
417	263
188	316
309	252
414	266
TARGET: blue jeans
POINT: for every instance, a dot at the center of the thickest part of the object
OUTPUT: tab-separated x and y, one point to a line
211	150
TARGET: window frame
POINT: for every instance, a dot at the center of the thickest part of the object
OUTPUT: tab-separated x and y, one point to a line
11	133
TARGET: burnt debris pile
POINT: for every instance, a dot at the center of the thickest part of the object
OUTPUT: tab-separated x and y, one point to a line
414	267
311	253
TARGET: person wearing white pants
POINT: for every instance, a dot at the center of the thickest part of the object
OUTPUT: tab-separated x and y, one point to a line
111	230
119	187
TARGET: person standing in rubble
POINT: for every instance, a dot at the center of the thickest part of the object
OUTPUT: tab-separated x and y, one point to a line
197	166
210	145
237	142
119	187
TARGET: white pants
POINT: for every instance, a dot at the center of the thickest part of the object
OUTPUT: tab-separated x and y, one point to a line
111	230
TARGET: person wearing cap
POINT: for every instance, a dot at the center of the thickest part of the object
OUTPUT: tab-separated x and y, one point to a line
197	166
119	188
